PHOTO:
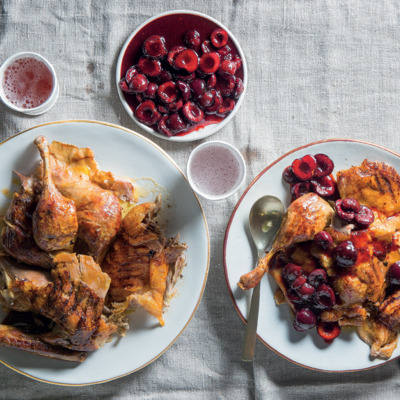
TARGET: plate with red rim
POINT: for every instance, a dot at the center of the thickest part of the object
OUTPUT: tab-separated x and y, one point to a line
275	324
182	21
128	154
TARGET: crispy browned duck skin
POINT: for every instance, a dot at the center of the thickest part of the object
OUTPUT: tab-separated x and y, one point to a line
139	261
374	184
305	217
55	222
98	210
14	338
71	295
17	235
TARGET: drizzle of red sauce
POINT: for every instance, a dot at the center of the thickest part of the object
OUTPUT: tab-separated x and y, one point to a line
362	241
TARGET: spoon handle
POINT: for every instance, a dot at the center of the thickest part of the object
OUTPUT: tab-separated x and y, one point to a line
251	328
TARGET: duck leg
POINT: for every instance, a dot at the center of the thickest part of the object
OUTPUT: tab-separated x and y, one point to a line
55	222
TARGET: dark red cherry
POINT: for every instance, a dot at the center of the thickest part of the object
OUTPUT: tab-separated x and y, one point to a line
124	86
324	186
154	47
147	113
325	296
167	92
364	218
149	66
192	38
132	71
394	274
225	84
293	297
162	108
299	189
324	165
205	99
298	282
176	124
206	46
139	83
187	60
175	106
198	87
238	89
219	37
184	88
173	53
345	254
289	176
211	81
216	103
192	112
290	272
228	67
164	76
225	53
151	91
316	277
209	62
304	319
347	216
350	205
162	126
236	59
328	330
185	76
305	291
304	167
324	239
227	107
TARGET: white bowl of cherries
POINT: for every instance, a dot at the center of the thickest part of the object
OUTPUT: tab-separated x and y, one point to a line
181	76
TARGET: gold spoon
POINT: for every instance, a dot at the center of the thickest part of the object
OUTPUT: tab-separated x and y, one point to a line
265	218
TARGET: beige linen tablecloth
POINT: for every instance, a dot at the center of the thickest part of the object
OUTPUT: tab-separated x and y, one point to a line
317	70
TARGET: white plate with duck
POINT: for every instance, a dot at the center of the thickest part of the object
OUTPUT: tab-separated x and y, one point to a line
347	352
126	154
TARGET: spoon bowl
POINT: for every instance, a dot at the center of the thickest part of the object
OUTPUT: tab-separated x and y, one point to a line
265	218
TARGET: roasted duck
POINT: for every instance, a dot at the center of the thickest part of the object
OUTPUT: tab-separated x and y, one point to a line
334	261
55	222
59	227
142	264
71	295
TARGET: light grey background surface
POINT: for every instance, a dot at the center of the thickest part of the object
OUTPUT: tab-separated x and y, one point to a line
317	70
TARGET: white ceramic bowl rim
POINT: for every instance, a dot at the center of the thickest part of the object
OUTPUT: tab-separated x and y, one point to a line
239	158
53	95
212	128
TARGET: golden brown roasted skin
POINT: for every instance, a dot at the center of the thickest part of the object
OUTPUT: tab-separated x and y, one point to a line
374	184
13	337
389	311
382	340
55	222
305	217
17	235
95	193
71	295
140	261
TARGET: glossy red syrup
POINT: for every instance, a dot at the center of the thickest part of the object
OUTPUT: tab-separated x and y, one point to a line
27	83
172	28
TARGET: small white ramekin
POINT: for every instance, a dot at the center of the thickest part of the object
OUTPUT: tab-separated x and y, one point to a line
235	152
44	107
